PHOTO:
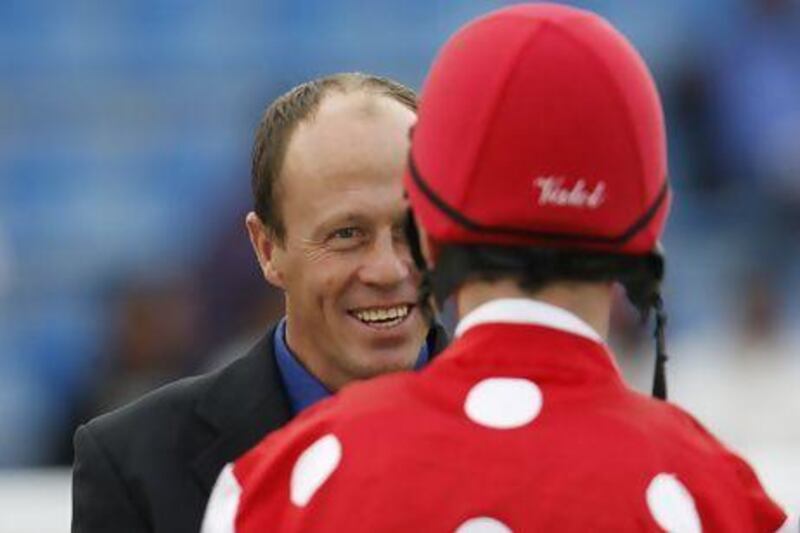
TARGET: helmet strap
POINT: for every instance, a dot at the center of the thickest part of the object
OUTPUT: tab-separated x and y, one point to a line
660	377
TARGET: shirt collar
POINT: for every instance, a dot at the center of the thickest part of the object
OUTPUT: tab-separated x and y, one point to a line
303	387
526	311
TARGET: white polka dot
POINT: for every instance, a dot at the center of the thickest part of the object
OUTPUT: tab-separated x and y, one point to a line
503	403
314	466
672	506
223	504
483	524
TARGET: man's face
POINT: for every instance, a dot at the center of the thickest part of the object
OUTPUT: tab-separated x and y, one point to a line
344	264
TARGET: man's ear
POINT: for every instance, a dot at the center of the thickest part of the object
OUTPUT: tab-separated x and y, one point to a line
265	244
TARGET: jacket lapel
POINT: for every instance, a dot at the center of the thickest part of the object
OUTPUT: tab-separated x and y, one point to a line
246	402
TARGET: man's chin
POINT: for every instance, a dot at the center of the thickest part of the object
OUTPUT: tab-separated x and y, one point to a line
379	350
373	358
373	369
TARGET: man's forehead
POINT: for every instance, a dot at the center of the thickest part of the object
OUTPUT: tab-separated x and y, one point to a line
349	105
368	203
351	129
350	112
386	205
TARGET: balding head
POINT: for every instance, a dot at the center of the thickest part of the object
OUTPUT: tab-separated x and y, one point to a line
286	113
336	246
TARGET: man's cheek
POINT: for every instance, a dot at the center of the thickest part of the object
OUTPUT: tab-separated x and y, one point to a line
328	287
329	294
415	278
334	277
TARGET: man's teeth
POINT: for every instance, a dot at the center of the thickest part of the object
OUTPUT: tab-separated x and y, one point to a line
384	314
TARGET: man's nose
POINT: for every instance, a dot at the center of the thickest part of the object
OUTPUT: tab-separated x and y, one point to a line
388	262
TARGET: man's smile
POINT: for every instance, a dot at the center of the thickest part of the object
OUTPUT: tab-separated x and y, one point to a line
383	317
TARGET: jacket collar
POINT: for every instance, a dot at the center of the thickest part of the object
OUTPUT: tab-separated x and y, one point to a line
245	401
526	311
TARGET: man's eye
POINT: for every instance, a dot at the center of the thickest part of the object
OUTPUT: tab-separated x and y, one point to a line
346	233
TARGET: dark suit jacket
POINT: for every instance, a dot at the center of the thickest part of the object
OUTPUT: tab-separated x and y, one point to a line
150	466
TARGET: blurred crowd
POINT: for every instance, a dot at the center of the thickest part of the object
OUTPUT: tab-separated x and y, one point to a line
125	131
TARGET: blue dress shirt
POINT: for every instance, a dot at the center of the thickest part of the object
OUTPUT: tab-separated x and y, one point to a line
303	387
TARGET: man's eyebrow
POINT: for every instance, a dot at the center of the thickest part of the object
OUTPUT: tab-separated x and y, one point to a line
347	217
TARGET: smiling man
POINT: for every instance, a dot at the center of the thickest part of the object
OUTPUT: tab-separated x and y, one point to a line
327	228
339	250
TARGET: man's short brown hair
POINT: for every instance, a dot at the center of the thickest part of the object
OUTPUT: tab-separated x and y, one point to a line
282	117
